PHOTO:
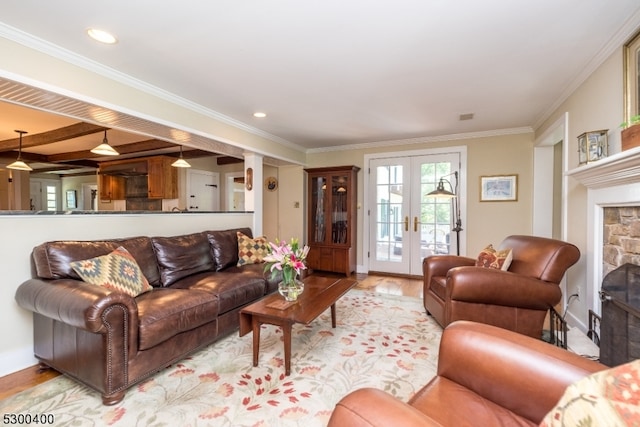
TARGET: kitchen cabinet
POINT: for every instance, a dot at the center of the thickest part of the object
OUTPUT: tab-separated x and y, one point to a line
332	218
162	178
112	187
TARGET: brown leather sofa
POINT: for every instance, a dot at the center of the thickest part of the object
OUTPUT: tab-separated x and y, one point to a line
487	376
517	299
110	341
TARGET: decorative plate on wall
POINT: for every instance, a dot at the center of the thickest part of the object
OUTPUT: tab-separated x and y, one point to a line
271	183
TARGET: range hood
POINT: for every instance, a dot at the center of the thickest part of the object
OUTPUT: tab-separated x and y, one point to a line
125	169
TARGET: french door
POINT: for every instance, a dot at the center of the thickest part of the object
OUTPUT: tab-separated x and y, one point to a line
405	224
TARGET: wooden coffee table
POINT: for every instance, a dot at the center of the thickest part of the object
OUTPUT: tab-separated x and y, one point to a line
319	294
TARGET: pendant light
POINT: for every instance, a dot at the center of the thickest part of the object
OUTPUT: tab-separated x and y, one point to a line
105	149
181	163
19	164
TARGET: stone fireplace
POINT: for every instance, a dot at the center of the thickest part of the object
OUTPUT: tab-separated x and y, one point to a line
620	237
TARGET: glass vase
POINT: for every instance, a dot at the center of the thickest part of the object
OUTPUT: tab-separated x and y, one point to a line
292	289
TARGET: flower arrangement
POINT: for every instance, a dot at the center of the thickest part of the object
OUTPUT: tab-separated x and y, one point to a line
286	257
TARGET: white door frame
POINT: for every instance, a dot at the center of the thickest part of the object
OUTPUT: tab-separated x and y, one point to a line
543	179
229	188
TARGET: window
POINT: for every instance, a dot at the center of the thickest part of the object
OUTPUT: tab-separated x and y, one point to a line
52	202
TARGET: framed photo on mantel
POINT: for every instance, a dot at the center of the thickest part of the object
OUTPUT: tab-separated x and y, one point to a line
499	188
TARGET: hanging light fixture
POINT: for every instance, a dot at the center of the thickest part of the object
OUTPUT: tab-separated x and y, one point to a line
105	149
181	163
19	164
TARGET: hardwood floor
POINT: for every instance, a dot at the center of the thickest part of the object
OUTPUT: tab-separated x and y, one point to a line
32	376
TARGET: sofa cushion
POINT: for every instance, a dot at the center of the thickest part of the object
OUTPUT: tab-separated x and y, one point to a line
251	250
182	256
117	271
166	312
224	246
234	286
437	397
491	258
52	260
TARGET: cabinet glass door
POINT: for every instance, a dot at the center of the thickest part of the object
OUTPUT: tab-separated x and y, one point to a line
339	202
318	196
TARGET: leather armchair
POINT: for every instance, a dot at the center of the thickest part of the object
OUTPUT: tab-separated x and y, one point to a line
517	299
487	376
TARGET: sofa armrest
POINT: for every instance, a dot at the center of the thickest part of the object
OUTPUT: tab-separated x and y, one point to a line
497	287
74	303
370	407
520	373
438	265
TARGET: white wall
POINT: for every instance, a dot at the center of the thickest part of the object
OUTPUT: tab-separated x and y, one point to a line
21	233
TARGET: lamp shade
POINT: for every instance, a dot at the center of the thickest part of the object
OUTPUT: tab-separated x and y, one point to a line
440	191
181	163
19	165
105	149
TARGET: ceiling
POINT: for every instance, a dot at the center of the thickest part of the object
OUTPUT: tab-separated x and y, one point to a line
329	73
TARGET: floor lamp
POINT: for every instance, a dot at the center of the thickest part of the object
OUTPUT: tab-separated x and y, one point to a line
440	191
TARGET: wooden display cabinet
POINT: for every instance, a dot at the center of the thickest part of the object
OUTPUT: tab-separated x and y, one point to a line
332	218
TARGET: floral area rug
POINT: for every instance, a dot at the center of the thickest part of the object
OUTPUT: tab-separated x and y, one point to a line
381	341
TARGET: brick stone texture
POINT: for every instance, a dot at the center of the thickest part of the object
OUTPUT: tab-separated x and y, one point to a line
621	237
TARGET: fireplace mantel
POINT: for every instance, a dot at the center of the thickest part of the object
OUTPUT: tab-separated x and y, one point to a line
617	169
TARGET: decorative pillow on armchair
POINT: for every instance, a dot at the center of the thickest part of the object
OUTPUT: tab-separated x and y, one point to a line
491	258
117	271
251	251
607	398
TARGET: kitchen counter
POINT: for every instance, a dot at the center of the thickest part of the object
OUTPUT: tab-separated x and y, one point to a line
78	212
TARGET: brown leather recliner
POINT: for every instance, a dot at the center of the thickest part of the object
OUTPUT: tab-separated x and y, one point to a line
486	376
517	299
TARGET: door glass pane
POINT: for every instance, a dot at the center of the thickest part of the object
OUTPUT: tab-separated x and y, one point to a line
318	189
436	213
389	213
339	197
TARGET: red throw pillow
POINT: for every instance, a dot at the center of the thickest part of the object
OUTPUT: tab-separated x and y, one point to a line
491	258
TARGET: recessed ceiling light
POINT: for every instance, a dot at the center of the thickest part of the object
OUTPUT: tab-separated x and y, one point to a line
102	36
259	115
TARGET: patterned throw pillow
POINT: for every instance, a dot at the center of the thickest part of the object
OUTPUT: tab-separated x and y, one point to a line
251	251
117	271
491	258
607	398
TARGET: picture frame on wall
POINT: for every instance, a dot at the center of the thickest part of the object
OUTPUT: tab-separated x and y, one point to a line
499	188
632	77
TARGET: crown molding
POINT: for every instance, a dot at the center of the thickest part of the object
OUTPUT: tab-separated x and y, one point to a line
424	140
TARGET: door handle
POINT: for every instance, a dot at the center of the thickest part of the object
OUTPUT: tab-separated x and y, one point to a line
406	223
415	223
